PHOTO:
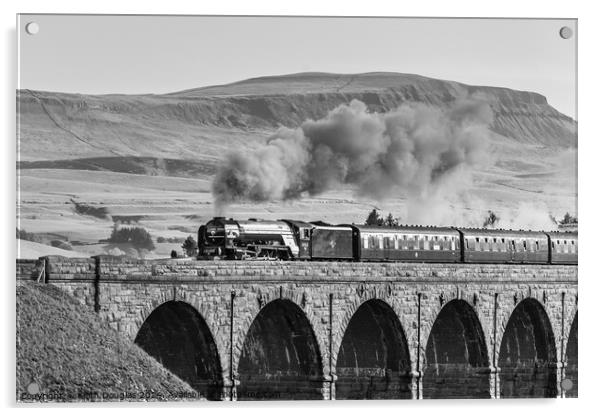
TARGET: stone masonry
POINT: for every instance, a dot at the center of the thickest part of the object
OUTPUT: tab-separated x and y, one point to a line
229	295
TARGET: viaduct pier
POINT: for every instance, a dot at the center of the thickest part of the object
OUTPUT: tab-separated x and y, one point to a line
250	330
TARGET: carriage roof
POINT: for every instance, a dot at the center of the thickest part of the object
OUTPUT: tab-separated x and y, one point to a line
476	232
414	229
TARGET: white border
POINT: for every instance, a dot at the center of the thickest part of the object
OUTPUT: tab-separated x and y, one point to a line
589	76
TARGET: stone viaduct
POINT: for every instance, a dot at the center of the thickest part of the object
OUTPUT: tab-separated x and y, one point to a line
317	330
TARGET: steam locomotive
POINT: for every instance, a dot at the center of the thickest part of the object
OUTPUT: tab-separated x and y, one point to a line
299	240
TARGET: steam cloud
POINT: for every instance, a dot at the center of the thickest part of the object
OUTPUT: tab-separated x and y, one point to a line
412	151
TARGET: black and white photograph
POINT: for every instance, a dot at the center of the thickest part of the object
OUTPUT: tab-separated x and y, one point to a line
250	208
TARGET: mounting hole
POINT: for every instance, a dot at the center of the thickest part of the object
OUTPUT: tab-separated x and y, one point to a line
566	384
32	28
566	32
33	388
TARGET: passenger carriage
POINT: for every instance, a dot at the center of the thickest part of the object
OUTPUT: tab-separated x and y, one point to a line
406	243
504	246
564	248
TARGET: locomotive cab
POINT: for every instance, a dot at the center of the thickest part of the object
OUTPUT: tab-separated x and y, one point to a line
302	233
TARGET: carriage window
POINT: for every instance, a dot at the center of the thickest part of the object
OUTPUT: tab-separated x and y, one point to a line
525	245
389	242
365	242
537	245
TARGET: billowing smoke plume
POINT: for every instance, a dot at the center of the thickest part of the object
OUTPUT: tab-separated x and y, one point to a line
410	151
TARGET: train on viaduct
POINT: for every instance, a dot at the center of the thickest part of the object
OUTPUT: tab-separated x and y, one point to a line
251	330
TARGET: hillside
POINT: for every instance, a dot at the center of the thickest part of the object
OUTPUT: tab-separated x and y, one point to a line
152	159
32	250
67	351
201	123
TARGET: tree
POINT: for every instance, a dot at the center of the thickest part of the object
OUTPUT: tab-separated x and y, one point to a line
491	220
374	218
391	221
174	254
568	219
190	246
137	236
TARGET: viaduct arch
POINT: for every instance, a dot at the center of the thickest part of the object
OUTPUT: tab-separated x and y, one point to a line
340	330
374	360
280	356
457	363
527	356
176	335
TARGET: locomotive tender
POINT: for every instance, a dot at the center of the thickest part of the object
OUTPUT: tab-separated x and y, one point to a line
299	240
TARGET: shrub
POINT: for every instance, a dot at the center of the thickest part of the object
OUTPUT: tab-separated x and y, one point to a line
61	244
391	221
84	209
568	219
24	235
491	220
137	236
173	240
174	254
190	246
127	219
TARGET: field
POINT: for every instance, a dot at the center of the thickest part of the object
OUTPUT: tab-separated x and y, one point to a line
150	160
521	191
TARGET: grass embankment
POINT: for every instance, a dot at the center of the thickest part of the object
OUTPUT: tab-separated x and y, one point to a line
72	355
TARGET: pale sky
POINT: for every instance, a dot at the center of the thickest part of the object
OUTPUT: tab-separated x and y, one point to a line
158	54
